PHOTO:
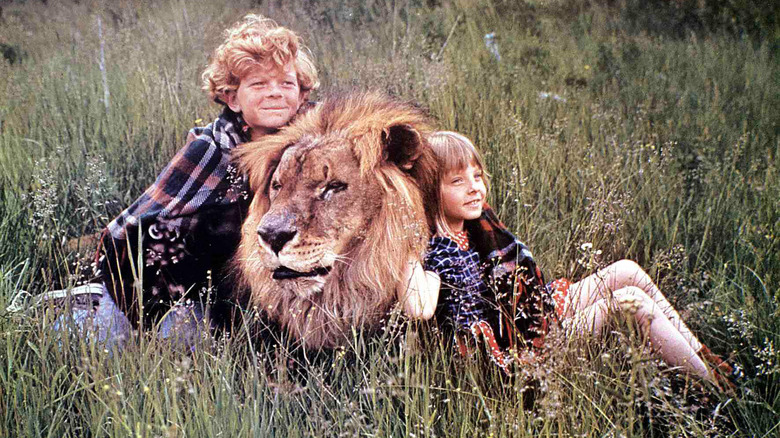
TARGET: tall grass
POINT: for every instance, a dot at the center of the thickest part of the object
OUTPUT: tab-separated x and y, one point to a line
655	146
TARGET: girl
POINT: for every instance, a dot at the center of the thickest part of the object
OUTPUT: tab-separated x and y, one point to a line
467	235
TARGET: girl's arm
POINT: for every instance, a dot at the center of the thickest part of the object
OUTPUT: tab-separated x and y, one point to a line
419	293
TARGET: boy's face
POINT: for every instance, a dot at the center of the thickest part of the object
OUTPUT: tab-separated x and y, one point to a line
268	97
462	194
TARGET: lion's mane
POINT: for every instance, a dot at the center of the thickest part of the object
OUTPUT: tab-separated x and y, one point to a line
388	138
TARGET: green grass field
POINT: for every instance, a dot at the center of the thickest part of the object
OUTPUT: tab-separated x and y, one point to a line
604	123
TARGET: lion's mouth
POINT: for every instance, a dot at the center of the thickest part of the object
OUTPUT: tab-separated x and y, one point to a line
285	273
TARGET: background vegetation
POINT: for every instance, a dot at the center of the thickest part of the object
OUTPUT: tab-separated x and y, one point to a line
613	129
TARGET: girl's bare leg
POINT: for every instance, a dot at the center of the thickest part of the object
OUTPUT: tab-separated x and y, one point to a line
619	275
664	336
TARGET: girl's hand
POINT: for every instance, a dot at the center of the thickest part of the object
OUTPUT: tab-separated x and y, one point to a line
419	293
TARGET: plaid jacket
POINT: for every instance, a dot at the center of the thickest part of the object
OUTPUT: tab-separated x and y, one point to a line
520	304
189	222
200	175
462	295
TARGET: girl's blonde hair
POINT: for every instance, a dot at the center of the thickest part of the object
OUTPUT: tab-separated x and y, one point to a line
453	152
256	41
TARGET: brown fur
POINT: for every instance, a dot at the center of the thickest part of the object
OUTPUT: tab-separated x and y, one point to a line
366	233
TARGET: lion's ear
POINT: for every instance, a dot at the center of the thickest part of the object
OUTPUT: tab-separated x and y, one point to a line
407	148
403	145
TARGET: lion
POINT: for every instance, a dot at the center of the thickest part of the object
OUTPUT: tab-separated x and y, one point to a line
337	214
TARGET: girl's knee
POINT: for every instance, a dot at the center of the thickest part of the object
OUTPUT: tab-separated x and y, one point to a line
627	273
626	266
635	301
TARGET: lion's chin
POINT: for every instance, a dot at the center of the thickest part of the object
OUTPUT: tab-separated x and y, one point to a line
302	287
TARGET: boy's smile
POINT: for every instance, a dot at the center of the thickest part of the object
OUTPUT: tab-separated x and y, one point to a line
268	97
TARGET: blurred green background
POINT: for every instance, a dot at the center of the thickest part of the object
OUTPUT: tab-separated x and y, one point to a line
646	129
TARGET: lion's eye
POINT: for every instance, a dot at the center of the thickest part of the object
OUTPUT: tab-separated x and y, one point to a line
333	187
336	186
274	189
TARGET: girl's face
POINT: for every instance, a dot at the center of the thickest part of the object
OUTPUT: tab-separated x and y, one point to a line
267	97
462	194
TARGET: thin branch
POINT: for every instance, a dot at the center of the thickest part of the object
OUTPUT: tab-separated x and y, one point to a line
452	31
102	64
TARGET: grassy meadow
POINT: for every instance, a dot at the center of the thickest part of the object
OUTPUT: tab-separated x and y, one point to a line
608	135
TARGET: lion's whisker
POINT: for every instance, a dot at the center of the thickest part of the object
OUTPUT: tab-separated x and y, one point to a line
341	259
330	255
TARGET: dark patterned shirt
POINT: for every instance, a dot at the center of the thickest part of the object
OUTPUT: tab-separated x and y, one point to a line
187	223
462	289
518	305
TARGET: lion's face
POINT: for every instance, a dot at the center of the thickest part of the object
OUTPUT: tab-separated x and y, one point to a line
337	215
320	208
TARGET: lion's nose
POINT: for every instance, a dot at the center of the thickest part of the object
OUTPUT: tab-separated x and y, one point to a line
276	237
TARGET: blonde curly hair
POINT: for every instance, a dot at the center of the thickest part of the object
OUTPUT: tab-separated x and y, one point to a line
254	41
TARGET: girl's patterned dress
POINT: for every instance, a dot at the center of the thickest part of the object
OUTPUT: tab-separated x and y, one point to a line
492	289
462	302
